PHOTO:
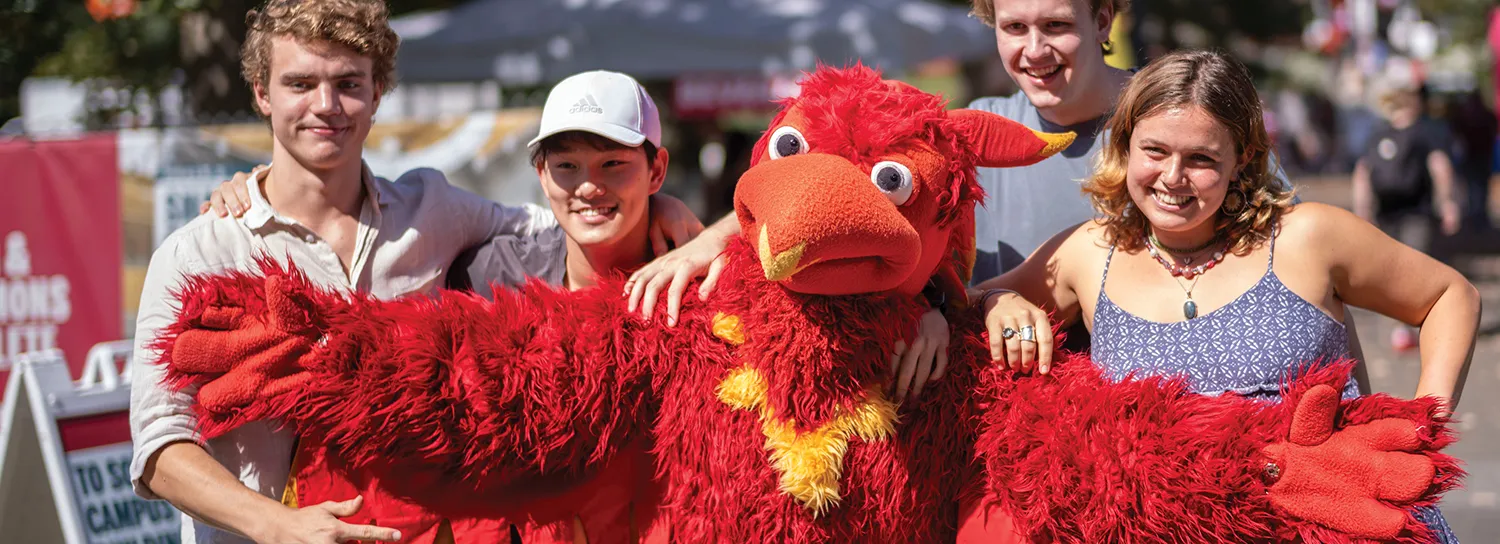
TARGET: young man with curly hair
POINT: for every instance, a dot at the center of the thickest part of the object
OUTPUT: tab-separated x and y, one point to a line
318	71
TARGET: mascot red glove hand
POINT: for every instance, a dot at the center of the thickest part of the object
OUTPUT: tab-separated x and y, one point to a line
240	354
1351	479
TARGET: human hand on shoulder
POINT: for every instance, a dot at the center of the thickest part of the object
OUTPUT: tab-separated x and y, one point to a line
703	257
231	197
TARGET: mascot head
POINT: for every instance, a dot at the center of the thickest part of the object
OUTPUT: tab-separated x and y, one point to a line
863	185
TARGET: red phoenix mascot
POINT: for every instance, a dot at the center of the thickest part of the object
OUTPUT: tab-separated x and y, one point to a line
766	402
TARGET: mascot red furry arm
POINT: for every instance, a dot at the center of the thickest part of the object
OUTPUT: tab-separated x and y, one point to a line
766	402
538	384
1131	461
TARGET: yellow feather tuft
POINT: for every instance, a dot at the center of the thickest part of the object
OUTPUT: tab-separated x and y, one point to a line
810	462
874	419
743	389
727	327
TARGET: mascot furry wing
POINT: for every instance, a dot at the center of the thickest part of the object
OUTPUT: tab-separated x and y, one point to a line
766	402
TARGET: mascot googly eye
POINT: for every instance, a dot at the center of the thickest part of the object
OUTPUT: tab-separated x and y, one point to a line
787	141
894	180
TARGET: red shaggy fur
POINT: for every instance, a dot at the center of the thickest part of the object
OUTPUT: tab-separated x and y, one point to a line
855	114
466	406
1116	458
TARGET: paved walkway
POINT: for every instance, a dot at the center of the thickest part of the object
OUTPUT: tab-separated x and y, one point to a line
1474	512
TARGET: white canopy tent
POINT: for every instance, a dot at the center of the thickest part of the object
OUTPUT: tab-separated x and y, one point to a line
537	42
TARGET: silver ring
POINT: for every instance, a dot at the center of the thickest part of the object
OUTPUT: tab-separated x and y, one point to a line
1007	333
1028	334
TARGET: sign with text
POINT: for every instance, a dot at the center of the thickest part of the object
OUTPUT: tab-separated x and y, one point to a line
70	442
109	510
60	246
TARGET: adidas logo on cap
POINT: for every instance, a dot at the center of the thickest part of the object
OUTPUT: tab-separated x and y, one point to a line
586	105
610	104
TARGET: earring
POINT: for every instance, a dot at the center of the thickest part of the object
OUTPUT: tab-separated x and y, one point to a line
1234	201
1108	46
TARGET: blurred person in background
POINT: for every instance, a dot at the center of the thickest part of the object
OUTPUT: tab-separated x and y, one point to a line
1475	127
1356	121
1405	177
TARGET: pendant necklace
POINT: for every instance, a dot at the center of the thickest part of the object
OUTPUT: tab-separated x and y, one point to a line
1192	273
1189	308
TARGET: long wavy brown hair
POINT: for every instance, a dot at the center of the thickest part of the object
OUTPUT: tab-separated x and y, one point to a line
1221	87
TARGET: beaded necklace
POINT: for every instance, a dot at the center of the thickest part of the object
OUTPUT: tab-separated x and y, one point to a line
1191	273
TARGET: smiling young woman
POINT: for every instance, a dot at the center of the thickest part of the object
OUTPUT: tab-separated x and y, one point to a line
1201	266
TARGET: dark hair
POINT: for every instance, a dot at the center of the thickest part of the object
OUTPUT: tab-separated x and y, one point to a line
575	138
1222	87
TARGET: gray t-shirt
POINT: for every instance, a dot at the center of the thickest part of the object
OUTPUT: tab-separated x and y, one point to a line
1026	206
507	261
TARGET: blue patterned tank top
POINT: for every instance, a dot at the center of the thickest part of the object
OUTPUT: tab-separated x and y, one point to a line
1247	347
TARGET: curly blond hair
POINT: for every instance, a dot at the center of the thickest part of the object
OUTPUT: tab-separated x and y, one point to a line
360	25
1221	87
985	9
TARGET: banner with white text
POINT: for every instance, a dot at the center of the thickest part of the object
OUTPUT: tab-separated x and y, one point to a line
60	247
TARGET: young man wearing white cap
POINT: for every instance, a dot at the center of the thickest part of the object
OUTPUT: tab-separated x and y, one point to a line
599	159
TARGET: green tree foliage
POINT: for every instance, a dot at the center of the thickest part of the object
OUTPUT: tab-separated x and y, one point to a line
32	29
192	42
1467	21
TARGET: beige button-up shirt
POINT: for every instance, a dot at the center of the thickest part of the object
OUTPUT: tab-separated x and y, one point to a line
409	232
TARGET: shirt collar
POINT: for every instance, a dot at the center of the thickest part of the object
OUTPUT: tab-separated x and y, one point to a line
261	212
381	197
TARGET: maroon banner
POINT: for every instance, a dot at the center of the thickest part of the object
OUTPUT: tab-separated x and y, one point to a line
60	247
707	95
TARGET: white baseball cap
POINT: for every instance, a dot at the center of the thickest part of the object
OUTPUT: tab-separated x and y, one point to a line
610	104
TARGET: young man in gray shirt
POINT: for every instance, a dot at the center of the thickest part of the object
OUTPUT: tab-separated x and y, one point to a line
1054	50
599	159
598	167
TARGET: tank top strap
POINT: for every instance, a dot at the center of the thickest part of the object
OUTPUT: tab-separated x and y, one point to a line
1107	258
1271	253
